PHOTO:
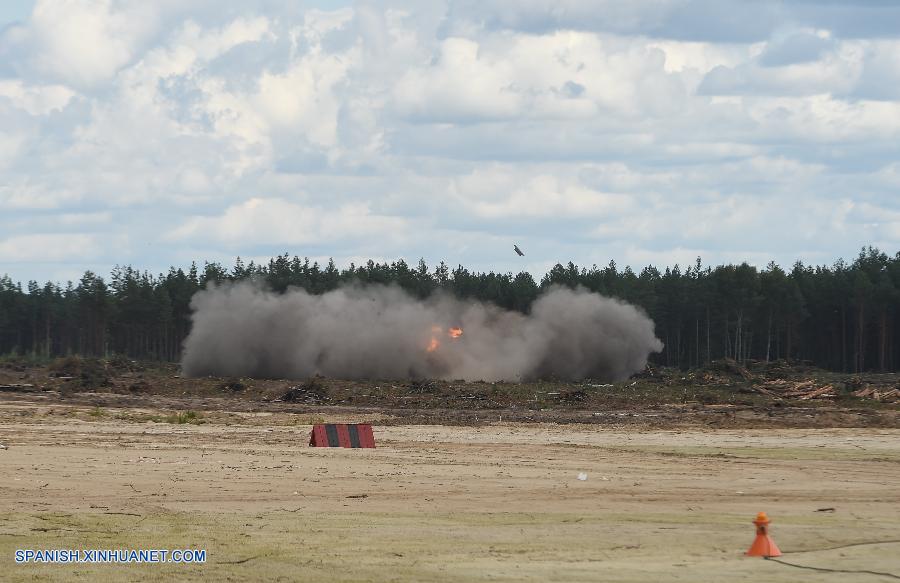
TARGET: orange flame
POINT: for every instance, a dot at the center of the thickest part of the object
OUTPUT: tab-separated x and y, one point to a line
454	332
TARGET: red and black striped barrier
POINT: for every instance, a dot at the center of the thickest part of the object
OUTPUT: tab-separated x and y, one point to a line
342	435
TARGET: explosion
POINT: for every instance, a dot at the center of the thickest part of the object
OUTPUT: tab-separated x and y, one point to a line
376	332
434	344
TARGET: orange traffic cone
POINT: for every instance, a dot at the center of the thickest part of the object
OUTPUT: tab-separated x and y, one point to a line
763	546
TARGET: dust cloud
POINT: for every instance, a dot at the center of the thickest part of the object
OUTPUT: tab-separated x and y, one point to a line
381	332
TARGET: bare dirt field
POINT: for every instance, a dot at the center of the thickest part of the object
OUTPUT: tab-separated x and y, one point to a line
498	501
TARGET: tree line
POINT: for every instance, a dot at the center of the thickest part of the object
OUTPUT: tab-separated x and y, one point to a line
842	317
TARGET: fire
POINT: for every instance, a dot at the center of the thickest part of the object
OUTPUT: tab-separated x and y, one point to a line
454	333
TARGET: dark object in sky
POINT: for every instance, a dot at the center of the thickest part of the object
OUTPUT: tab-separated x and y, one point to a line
519	251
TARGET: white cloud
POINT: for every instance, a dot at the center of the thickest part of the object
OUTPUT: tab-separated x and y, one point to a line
880	77
582	130
460	86
96	218
35	99
10	146
504	193
275	221
48	247
801	46
564	75
700	57
835	72
302	99
84	42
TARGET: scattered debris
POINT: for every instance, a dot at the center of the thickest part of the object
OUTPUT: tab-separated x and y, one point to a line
312	393
572	397
649	372
122	363
357	496
884	396
824	509
3	446
725	372
139	387
233	385
803	390
731	367
68	367
81	373
423	386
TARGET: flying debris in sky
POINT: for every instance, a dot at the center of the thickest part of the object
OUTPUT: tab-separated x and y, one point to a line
519	251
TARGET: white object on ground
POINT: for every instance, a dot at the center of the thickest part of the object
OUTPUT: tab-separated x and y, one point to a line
582	476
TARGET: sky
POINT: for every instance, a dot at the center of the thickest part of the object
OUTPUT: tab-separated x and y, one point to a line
645	132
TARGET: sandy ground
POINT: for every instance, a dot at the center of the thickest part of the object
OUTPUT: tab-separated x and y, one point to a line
434	503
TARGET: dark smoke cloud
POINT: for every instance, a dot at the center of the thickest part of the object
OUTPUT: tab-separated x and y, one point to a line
382	332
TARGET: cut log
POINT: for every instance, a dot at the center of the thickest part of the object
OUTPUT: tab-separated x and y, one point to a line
821	393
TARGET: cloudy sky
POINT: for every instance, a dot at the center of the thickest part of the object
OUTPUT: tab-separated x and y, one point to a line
651	131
